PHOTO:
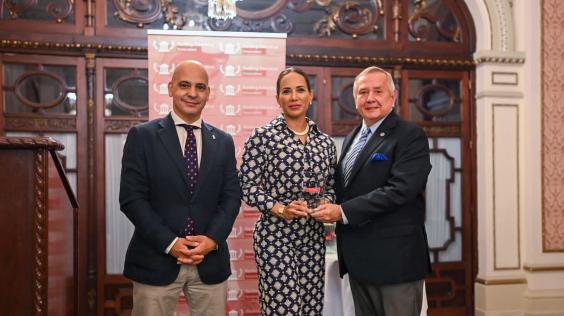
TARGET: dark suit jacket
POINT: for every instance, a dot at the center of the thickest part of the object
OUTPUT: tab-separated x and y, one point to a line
385	241
154	196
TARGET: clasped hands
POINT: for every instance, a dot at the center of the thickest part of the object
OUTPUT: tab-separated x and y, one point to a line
192	249
324	212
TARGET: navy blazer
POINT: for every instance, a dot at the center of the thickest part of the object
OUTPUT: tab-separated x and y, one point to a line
385	241
154	196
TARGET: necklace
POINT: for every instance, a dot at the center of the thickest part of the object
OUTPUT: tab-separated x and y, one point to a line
302	133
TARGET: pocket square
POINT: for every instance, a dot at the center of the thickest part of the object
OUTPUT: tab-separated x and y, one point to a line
378	157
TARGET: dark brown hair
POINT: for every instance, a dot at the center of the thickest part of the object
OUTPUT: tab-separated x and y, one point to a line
290	70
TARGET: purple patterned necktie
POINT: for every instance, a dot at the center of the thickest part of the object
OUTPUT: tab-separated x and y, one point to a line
191	157
191	164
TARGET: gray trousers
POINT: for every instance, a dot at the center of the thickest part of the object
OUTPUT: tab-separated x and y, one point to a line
203	299
402	299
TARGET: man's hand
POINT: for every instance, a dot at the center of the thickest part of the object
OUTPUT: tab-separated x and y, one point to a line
199	246
327	213
182	254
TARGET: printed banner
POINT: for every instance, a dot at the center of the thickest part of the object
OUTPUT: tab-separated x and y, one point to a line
242	68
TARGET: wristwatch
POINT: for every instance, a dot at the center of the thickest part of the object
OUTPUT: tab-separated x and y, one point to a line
280	210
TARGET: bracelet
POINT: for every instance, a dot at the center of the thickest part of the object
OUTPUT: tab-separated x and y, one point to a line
280	210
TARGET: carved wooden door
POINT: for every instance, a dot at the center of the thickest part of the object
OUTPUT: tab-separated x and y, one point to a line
122	88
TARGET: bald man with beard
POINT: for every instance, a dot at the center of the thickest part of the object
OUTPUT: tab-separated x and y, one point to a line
179	188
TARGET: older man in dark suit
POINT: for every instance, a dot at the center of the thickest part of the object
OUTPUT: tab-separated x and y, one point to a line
179	187
382	172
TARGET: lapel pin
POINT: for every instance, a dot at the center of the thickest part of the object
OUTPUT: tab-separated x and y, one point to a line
213	136
382	134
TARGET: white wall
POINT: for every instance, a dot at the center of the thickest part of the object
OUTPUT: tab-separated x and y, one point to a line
515	277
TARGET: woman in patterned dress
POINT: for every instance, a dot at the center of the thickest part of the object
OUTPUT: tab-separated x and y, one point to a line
280	159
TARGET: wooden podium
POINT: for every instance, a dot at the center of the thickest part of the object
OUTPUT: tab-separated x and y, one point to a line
38	240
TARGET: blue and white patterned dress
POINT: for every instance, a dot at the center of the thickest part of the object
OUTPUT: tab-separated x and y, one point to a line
290	255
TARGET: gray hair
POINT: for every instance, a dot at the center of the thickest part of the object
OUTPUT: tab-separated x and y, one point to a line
372	69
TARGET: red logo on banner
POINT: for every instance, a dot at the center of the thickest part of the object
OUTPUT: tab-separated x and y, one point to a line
251	274
250	212
254	51
254	73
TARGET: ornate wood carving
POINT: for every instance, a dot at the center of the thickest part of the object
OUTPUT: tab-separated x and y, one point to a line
141	12
15	8
499	60
31	142
120	126
443	130
269	19
138	11
273	9
40	234
91	268
351	18
68	46
297	58
304	21
421	19
58	10
396	18
40	206
366	60
279	23
29	123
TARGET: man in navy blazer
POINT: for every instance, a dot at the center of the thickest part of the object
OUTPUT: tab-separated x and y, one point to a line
161	259
381	176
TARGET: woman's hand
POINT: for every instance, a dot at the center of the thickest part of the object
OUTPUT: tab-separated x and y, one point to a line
297	209
290	211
